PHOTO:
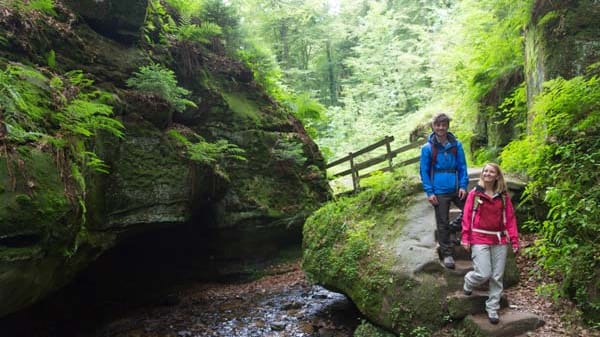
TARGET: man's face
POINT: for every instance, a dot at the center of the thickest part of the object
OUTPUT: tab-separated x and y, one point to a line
441	129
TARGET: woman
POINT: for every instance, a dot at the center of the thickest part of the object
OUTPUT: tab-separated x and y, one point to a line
488	227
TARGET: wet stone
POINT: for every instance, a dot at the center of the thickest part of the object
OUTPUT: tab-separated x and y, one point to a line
278	326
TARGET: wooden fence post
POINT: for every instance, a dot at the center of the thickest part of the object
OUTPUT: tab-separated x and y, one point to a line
354	173
389	151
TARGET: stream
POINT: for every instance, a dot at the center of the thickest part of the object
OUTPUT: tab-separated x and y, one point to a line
280	303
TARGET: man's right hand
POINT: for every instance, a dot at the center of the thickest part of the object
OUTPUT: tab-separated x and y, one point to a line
433	200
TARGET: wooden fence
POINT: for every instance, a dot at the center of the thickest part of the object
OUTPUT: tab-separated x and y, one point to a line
388	156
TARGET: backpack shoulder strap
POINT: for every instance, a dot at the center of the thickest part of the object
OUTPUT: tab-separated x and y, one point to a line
504	209
476	202
434	153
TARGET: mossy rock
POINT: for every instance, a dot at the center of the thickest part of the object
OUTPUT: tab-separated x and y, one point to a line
35	209
150	180
39	227
121	20
378	248
562	40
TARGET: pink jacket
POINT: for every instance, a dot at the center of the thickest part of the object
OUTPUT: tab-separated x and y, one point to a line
488	217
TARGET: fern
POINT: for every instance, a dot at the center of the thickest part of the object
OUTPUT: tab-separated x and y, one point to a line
159	80
23	93
60	111
288	151
210	154
82	117
203	33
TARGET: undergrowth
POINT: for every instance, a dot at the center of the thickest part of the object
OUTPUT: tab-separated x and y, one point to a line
561	157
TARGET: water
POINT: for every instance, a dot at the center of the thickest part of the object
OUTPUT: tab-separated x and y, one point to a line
280	304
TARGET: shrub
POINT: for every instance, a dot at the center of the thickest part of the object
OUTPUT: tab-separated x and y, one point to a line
561	156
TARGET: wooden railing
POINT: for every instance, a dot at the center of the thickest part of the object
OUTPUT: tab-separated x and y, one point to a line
388	156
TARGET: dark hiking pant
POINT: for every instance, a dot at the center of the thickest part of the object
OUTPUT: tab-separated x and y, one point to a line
442	215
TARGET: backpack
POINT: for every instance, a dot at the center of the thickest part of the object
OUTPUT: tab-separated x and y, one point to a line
434	153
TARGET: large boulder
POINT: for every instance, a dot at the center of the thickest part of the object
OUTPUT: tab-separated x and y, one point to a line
379	249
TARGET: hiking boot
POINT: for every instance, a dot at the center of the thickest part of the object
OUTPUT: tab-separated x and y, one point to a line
467	291
493	317
449	262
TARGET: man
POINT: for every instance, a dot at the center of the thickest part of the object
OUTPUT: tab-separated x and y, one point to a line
445	179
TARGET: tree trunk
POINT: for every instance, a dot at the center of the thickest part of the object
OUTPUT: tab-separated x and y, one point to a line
331	76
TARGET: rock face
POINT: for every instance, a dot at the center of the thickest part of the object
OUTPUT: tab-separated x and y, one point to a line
562	40
121	20
385	259
51	227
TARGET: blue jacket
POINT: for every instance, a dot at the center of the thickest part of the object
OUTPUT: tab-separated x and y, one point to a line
449	170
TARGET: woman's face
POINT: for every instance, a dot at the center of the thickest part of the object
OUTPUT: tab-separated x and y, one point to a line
489	174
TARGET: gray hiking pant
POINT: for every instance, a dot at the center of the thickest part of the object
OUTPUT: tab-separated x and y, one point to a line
488	264
442	214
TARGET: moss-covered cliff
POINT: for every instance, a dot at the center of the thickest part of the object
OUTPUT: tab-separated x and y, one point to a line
560	39
59	216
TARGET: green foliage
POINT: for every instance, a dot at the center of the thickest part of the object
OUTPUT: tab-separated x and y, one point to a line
226	17
61	111
158	24
25	101
159	80
366	329
480	46
514	107
185	8
309	111
288	152
44	6
264	67
58	110
561	156
51	59
187	31
206	153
